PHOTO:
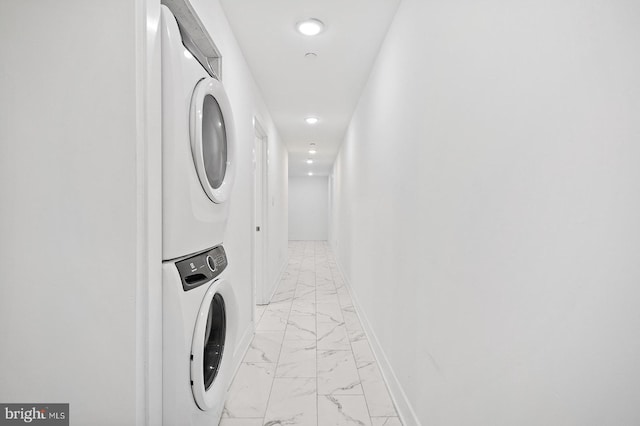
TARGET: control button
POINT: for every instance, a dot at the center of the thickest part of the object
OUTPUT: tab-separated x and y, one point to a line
211	263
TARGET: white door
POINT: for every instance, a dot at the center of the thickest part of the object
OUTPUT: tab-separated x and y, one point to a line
260	212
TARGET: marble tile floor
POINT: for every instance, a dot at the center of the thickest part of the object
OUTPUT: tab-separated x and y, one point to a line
309	363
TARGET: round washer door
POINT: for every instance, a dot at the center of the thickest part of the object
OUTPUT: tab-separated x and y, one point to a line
213	335
213	139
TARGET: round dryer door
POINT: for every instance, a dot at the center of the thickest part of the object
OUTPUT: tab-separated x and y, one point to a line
213	335
213	139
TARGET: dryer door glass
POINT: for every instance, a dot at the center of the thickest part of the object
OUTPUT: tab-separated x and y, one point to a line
214	142
214	337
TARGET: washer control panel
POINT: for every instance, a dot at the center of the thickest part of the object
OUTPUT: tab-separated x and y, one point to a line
202	268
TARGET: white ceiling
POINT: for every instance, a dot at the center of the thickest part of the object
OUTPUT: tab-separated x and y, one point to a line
295	86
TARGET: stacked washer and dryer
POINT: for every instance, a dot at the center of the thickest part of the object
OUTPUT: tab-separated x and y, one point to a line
199	318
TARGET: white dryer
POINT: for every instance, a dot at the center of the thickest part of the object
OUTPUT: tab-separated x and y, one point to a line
198	149
199	321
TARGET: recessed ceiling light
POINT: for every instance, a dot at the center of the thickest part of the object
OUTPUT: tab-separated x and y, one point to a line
310	55
309	161
312	151
310	174
312	144
310	27
311	120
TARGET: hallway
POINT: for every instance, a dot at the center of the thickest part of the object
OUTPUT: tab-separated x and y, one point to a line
310	362
472	167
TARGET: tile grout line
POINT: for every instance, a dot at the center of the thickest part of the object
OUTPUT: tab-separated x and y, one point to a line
375	361
364	397
315	256
275	370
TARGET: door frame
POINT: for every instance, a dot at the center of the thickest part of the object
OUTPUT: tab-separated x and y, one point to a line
260	213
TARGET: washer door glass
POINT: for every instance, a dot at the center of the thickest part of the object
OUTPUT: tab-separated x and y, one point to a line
214	142
213	345
213	139
214	336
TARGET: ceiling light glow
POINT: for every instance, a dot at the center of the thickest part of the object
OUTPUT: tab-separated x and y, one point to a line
312	151
310	174
309	161
310	27
311	120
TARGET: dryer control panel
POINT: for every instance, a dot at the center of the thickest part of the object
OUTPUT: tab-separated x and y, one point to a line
202	268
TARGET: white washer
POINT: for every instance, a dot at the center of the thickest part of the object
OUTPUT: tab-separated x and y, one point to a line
198	149
199	321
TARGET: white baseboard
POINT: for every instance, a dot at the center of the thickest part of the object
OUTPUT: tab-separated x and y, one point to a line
242	347
403	406
274	284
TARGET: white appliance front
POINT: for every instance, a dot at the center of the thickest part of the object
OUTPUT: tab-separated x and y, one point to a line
198	149
212	338
200	315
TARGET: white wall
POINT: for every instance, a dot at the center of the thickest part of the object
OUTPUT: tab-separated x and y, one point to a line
308	208
246	102
495	153
79	217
